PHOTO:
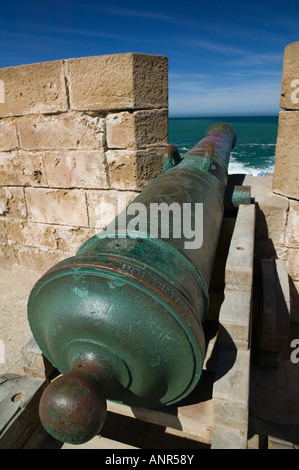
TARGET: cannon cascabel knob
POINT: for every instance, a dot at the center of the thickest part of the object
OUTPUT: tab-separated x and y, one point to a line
73	408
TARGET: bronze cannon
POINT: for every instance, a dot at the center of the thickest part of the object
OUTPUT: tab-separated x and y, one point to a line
122	320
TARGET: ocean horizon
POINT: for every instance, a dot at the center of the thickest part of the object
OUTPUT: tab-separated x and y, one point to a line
254	152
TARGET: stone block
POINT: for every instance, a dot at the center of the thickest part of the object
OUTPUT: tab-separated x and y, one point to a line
290	77
151	127
239	264
120	128
69	239
12	203
76	169
57	206
292	230
235	319
137	130
8	135
103	206
275	220
61	132
33	89
286	168
294	301
293	263
31	234
8	257
227	437
271	210
38	260
231	387
22	169
133	170
118	82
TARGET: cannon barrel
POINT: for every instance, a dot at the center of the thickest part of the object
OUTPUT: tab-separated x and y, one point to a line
122	320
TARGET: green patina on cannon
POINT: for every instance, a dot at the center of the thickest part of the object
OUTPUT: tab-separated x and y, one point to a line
122	320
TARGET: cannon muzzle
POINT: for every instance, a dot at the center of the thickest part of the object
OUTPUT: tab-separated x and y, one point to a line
122	320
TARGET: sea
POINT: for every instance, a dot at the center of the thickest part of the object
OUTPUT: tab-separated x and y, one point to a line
254	152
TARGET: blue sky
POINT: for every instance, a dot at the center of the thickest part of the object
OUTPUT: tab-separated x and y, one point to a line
225	57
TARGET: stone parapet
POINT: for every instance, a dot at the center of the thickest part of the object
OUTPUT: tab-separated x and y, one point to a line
77	137
286	169
289	99
286	172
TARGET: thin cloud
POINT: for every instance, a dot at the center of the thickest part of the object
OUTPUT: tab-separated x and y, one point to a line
138	14
68	31
217	47
260	96
251	59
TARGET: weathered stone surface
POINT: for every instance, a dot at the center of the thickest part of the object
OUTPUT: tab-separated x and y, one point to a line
120	129
231	386
61	131
69	239
57	206
33	89
290	77
103	206
36	259
150	78
275	218
76	169
292	230
137	130
22	169
239	264
122	169
118	82
286	168
31	234
12	203
151	127
294	300
271	210
8	257
3	234
293	263
132	169
235	319
8	135
229	437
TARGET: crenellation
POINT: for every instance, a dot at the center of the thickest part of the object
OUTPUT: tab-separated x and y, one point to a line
76	136
286	169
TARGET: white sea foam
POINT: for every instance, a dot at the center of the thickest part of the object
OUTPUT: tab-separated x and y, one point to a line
239	168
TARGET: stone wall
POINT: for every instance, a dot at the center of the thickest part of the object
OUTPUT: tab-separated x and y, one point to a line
286	172
75	135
